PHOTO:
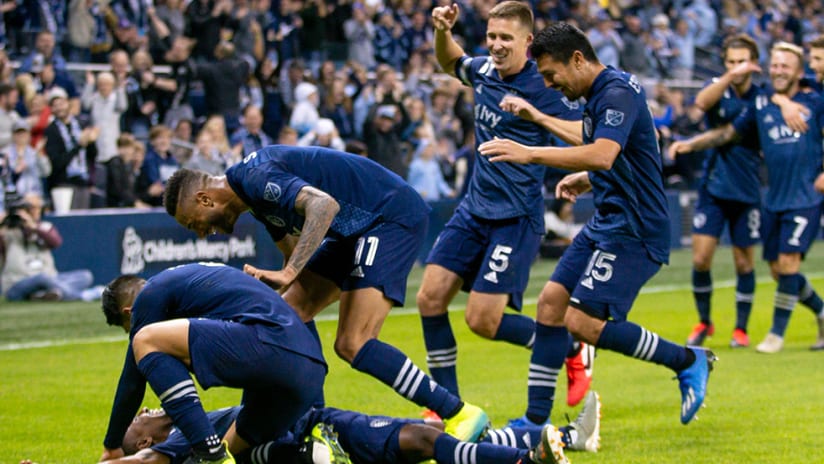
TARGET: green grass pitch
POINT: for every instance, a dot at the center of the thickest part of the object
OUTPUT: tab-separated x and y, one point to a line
60	364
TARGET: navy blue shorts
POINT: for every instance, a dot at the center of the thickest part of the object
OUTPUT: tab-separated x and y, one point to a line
742	219
279	386
790	231
491	256
380	258
372	439
603	279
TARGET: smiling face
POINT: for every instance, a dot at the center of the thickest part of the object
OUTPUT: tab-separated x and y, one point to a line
562	77
786	71
508	41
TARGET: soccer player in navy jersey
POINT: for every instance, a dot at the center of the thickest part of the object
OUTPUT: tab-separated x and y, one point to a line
792	206
729	192
347	436
349	229
226	328
616	156
490	242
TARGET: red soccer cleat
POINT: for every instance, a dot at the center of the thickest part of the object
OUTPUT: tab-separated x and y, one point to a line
700	333
579	373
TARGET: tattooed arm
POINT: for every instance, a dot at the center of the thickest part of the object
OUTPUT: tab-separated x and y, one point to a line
710	139
319	209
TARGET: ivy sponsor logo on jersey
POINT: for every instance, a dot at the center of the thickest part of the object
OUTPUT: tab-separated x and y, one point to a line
138	252
487	116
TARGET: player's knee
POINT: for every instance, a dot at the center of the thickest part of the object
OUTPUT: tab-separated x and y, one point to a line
347	347
743	265
482	323
430	303
143	341
702	262
551	309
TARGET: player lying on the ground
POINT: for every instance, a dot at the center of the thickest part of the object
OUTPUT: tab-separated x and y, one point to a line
152	439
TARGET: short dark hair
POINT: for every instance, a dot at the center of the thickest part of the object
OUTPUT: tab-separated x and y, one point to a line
118	294
560	41
182	183
6	89
741	41
818	42
512	9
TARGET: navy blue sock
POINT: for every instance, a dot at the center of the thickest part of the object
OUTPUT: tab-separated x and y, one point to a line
548	355
702	291
808	296
449	450
635	341
786	296
514	437
441	351
517	329
387	364
744	291
320	401
574	347
173	385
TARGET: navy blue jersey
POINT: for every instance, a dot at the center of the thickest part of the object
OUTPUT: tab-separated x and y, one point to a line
269	180
507	190
629	198
210	291
178	448
731	170
793	159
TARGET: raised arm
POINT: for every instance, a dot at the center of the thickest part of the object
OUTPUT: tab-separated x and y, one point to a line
447	50
711	94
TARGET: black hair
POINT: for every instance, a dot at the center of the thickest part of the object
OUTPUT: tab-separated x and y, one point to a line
560	41
118	294
180	184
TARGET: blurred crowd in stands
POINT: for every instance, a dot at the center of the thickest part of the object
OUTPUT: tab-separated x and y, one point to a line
109	97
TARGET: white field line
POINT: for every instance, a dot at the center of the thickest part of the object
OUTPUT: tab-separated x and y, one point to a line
405	311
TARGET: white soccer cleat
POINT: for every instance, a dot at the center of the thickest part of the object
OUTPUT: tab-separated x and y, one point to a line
585	431
772	344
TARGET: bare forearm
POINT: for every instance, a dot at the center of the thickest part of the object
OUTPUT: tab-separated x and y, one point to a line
447	51
711	94
713	138
568	131
580	158
319	212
